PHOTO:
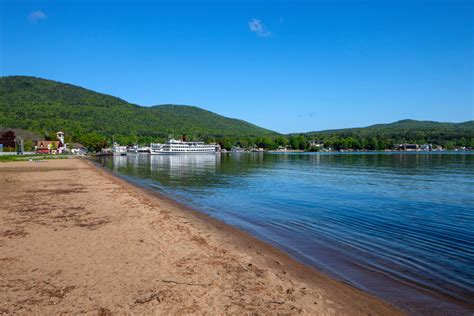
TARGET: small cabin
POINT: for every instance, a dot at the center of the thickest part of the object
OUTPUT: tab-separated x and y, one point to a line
409	147
47	146
316	143
426	147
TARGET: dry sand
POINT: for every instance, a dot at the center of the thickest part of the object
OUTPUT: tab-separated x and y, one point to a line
76	239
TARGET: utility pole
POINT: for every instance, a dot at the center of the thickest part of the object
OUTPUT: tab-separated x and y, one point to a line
19	145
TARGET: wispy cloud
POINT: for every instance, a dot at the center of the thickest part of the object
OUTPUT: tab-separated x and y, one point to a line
36	16
256	26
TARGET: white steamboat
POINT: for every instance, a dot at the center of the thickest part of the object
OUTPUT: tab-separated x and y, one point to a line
182	147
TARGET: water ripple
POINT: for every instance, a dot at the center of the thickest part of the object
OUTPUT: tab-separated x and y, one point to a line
398	225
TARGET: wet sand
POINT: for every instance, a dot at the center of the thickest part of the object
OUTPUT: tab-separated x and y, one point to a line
76	239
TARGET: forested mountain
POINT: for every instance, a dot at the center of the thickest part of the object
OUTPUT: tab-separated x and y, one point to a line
46	106
403	126
381	136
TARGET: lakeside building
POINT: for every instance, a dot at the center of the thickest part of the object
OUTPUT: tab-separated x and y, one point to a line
237	149
47	146
316	143
51	146
106	151
408	147
78	149
416	147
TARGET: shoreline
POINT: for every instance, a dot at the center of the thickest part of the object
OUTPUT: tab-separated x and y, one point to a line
246	240
303	268
262	277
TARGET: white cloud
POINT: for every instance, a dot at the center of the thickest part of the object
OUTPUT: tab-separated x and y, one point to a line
258	28
36	16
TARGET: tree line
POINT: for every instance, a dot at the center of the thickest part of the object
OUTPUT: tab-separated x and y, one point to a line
94	141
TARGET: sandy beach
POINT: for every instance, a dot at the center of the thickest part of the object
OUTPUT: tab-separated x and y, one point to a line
76	239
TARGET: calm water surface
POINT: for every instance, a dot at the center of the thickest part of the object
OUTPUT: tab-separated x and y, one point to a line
400	226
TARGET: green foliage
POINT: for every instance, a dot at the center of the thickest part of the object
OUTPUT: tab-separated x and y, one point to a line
281	141
8	158
42	107
386	136
298	142
46	106
226	143
9	149
28	145
93	141
7	139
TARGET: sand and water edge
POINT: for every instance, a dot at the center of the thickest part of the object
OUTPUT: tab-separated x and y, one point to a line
74	238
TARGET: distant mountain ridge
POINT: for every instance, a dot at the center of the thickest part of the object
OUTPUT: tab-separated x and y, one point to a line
39	105
406	124
386	136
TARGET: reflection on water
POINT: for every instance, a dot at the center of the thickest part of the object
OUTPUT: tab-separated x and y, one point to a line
397	225
180	165
120	162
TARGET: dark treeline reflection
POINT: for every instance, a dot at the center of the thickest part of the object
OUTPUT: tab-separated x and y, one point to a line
394	224
200	169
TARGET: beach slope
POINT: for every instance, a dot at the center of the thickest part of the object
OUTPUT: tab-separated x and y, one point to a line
76	239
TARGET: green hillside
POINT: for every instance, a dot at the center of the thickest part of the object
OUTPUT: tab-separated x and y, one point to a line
46	106
405	126
381	136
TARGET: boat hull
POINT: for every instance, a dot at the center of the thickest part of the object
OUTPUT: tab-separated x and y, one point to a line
183	153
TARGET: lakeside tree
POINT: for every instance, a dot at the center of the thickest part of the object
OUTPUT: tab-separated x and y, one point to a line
94	142
7	139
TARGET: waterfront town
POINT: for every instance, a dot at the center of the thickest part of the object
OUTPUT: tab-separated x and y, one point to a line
11	143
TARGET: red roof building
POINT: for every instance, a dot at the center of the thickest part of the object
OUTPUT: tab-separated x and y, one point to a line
47	146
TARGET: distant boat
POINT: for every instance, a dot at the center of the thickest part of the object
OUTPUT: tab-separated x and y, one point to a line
119	150
182	147
143	149
132	150
155	148
237	150
138	149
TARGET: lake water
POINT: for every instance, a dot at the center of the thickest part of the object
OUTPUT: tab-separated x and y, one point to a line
398	225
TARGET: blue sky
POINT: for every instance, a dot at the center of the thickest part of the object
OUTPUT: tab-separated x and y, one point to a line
289	66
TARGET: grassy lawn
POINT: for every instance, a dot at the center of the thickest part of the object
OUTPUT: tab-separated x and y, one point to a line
8	158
